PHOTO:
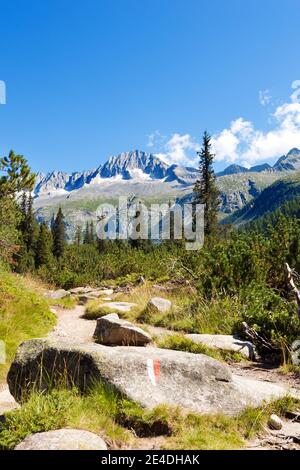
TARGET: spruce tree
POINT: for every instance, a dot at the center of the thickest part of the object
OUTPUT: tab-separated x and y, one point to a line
58	233
78	235
43	246
92	233
87	233
30	225
205	189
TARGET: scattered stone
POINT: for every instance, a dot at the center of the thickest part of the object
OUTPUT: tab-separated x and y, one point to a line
225	342
58	332
83	299
56	294
275	422
63	439
119	306
112	331
149	376
53	310
93	295
159	304
141	280
101	292
7	402
80	290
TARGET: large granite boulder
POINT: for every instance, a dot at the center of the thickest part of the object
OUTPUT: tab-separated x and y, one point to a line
159	304
225	342
63	439
149	376
112	331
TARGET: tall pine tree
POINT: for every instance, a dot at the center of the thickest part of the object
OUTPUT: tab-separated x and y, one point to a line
59	235
205	189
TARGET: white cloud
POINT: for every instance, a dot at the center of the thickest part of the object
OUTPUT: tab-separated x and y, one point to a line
155	139
242	142
178	150
264	97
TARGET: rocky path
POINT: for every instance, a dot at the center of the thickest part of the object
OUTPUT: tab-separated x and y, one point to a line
71	326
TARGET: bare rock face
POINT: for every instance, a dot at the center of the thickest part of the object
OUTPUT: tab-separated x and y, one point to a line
159	304
62	439
149	376
112	331
225	342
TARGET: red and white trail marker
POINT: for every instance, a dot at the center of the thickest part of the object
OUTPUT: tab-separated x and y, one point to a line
153	369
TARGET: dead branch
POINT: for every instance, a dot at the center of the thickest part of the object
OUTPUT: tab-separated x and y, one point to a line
290	281
257	339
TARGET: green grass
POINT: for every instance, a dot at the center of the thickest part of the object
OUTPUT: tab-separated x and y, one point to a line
120	421
24	314
190	312
180	343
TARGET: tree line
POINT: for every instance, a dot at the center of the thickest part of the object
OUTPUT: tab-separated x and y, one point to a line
29	244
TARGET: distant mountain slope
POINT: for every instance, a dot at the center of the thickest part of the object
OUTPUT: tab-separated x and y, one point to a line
290	209
271	198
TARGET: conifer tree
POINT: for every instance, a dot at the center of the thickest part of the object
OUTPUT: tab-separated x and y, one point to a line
58	233
205	189
15	176
78	235
43	246
86	236
92	233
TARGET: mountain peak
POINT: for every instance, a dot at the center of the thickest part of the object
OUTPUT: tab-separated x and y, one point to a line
125	164
233	170
289	162
293	151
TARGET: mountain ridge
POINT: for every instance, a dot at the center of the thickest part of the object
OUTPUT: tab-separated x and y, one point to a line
138	164
146	176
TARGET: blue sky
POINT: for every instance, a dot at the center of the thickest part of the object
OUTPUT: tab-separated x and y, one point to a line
88	79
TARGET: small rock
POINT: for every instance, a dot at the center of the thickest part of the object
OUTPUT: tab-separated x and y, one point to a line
93	295
53	310
7	402
159	304
63	439
80	290
119	306
112	331
275	422
83	299
56	294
